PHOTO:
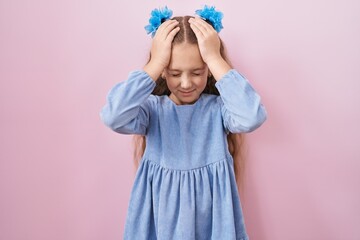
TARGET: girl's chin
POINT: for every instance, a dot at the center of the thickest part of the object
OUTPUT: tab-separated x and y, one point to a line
184	98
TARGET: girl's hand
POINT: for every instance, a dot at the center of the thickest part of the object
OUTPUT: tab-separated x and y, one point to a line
209	46
161	48
208	39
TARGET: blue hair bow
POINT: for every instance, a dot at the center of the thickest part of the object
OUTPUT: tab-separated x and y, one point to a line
210	14
158	16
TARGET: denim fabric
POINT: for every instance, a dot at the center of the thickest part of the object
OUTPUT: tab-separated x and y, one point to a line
185	185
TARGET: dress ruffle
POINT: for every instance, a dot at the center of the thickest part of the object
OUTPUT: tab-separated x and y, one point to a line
201	203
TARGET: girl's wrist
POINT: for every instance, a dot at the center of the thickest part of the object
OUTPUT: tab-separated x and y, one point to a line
218	67
153	69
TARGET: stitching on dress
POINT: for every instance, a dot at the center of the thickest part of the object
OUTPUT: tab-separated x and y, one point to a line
184	170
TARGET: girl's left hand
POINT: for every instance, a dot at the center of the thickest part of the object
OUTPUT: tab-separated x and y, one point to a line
209	46
208	39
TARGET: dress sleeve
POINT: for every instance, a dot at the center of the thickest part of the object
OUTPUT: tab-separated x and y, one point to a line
128	106
241	107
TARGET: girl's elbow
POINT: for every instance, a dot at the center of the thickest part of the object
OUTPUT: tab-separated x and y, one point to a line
260	117
109	120
257	123
249	124
257	120
244	128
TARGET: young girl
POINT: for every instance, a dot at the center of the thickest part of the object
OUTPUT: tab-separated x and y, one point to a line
185	102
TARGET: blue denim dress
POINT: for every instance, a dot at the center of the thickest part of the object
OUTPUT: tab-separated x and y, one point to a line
185	185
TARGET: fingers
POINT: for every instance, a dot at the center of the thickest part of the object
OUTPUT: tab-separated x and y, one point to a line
161	45
172	34
165	29
208	39
199	34
201	27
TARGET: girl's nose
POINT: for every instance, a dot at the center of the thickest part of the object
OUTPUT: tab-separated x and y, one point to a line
185	82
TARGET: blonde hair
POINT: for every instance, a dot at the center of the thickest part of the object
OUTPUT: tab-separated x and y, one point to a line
236	142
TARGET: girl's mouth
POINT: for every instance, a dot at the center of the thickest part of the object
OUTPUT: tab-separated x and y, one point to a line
187	93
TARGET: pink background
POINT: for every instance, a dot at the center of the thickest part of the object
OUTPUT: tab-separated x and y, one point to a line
65	176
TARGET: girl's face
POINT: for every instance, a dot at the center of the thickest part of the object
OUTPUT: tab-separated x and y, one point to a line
186	75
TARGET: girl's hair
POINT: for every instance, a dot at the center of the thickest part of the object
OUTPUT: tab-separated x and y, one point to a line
236	142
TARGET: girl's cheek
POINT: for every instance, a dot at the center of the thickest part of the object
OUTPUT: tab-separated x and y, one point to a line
201	80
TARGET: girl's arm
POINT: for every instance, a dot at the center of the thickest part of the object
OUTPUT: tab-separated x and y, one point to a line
241	107
161	48
209	47
128	103
127	108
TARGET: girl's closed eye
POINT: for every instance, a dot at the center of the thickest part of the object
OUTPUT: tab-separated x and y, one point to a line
197	73
174	73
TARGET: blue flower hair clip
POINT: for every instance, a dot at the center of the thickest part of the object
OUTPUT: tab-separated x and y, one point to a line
210	14
158	16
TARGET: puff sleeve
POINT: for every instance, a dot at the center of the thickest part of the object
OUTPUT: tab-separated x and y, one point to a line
241	106
128	105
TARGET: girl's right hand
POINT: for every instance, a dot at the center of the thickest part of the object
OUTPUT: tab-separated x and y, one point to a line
160	52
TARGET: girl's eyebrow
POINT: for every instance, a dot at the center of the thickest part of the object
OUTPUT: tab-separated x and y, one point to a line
194	69
198	69
173	70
